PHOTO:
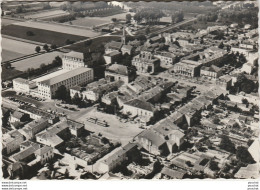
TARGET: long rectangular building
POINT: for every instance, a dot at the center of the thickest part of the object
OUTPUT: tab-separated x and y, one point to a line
68	78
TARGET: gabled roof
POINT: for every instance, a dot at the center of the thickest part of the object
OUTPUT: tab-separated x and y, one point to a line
119	69
43	150
127	47
114	45
152	136
75	54
141	104
18	114
212	68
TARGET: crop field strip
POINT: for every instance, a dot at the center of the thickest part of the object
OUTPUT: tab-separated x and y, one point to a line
62	28
40	35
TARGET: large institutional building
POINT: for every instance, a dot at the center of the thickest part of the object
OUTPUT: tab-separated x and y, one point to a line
145	62
74	72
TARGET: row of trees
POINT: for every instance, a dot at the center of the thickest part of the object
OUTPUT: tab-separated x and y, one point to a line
178	16
149	16
46	48
57	62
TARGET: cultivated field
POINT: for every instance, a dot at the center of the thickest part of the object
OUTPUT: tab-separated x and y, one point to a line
9	55
9	74
44	14
36	61
6	21
40	35
12	49
59	28
95	43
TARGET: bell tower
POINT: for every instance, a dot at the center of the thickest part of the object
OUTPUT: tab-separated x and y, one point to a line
123	38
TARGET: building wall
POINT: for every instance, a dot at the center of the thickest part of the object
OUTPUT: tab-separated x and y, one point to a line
136	111
14	144
71	63
21	87
116	77
48	92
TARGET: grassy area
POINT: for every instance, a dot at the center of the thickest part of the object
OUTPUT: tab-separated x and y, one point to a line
8	55
35	62
40	35
93	45
9	74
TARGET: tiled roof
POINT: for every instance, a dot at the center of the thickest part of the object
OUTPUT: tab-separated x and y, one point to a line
141	104
75	54
43	150
174	174
119	69
18	114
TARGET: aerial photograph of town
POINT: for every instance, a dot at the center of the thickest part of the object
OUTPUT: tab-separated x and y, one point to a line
129	90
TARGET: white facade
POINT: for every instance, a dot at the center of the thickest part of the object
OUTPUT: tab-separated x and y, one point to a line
72	78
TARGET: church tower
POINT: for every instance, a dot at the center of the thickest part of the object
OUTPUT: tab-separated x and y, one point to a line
123	39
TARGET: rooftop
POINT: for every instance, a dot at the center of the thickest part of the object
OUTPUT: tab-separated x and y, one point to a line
75	54
66	74
141	104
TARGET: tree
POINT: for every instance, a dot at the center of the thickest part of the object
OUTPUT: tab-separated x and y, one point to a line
147	30
243	155
8	65
38	49
19	9
114	19
42	66
128	18
248	86
66	174
53	46
227	144
61	93
245	101
216	120
213	165
221	45
29	33
76	99
46	47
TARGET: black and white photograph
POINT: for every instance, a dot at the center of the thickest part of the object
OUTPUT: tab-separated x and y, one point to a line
129	90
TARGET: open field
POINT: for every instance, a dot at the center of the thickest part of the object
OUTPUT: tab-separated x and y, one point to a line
40	35
60	28
81	47
9	74
44	14
36	61
6	21
9	55
12	49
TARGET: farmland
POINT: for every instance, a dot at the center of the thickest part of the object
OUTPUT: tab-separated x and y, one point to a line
36	61
9	74
6	21
95	43
40	35
12	49
60	28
